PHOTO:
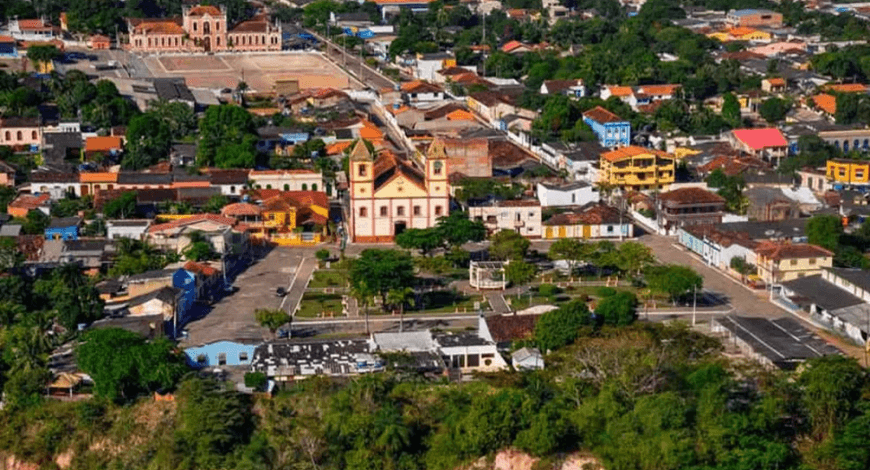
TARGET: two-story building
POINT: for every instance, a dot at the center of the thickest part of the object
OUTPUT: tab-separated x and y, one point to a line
134	229
637	168
843	173
65	228
523	216
767	144
21	133
287	180
578	193
754	18
612	130
689	206
779	262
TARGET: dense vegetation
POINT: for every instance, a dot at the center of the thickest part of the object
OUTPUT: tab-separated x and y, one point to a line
640	397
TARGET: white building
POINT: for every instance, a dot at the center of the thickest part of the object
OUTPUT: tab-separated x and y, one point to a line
466	352
133	229
523	217
578	193
287	180
527	359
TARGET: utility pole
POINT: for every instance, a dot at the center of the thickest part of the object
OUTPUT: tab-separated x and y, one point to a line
694	303
483	43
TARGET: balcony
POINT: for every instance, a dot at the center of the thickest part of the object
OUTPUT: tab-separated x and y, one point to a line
519	223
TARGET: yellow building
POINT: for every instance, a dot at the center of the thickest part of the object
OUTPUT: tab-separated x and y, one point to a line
779	262
849	172
741	34
637	168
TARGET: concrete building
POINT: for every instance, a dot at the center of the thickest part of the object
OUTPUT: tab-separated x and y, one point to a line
778	262
594	222
689	206
754	18
469	157
132	229
286	180
571	194
637	168
612	130
21	133
523	216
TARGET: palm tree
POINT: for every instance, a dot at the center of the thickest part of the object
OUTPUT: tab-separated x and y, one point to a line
362	295
400	297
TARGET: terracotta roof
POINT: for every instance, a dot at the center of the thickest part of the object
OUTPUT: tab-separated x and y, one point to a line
31	246
826	102
691	196
620	91
338	147
511	45
758	139
6	39
419	86
460	115
556	86
297	198
281	172
453	71
504	328
728	164
490	98
33	24
594	215
776	81
442	111
103	144
659	90
387	167
240	208
200	268
599	114
220	176
779	251
219	219
171	26
741	31
254	25
470	78
201	10
29	201
632	151
98	177
401	2
846	87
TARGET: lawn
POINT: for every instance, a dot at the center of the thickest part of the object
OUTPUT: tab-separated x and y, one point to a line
315	305
328	278
563	295
448	302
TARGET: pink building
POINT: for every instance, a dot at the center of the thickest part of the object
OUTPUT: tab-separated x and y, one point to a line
20	132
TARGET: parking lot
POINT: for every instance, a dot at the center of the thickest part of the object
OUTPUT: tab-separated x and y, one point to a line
232	317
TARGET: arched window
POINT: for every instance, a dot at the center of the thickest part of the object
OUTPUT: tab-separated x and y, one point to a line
194	25
304	187
856	143
437	210
218	41
33	135
286	187
437	167
217	26
866	143
19	136
363	212
314	186
845	145
384	211
232	189
8	136
268	186
206	27
400	211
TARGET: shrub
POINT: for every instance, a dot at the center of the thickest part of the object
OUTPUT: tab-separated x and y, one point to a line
548	290
256	380
603	292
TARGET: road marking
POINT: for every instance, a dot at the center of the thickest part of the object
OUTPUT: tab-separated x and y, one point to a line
295	273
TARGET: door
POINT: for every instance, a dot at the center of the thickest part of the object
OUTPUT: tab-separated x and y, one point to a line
563	232
548	233
587	231
398	228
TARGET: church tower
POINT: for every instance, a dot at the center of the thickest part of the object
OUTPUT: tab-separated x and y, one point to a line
361	171
435	166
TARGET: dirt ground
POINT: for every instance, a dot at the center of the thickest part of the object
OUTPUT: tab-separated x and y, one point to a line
259	71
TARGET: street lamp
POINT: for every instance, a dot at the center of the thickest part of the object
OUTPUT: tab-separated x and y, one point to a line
694	303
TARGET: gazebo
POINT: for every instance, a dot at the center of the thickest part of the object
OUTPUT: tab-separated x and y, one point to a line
487	275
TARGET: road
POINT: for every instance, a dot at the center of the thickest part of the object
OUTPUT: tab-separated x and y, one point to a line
298	284
352	63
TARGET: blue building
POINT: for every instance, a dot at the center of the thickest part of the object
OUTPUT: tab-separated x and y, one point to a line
271	137
66	228
221	353
8	47
612	130
186	281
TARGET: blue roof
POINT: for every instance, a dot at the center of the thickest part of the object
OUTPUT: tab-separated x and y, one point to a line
749	11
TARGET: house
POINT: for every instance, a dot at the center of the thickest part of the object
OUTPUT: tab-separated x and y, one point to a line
130	228
595	221
8	47
768	144
31	29
814	179
784	261
742	33
826	103
57	184
773	85
230	182
21	205
503	329
492	106
58	147
288	180
92	183
640	96
92	255
830	304
769	204
133	180
220	354
527	358
754	18
21	133
573	88
689	206
465	352
174	91
782	343
637	168
579	159
103	146
469	157
388	194
99	42
612	130
417	90
219	231
288	361
279	139
429	64
572	194
164	302
718	247
522	217
66	228
844	173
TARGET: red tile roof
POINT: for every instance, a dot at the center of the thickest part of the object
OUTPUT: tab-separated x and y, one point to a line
758	139
779	251
632	151
595	215
504	328
691	196
29	201
200	268
219	219
599	114
826	102
240	208
201	10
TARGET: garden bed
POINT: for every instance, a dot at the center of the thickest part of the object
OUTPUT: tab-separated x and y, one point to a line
317	305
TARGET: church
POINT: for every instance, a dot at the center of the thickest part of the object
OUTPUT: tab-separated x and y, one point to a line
202	28
389	194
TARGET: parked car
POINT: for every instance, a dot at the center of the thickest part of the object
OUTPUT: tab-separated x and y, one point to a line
280	292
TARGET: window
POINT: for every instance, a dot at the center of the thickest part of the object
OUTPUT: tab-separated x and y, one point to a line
384	211
573	198
437	167
438	210
793	262
314	186
400	211
363	212
222	359
812	261
304	187
243	356
232	190
8	136
201	359
19	135
33	135
194	25
217	27
362	170
286	187
416	210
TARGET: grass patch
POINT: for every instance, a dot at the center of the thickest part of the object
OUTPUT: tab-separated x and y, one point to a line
315	305
449	302
328	278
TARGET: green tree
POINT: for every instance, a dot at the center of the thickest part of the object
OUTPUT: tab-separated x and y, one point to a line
825	231
122	207
399	298
508	245
123	365
832	386
226	137
731	109
633	257
322	255
774	109
456	229
70	295
215	204
42	54
561	327
423	239
571	250
149	140
177	116
272	319
674	280
377	272
518	272
35	223
619	309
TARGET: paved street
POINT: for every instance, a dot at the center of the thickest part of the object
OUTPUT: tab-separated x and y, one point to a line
354	65
299	282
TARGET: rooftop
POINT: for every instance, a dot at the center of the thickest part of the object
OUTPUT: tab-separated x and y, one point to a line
599	114
783	341
786	250
758	139
822	293
632	151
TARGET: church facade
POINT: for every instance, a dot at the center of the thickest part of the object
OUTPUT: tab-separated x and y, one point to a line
202	28
389	195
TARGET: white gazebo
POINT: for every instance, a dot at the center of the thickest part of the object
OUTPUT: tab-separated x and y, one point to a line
487	275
